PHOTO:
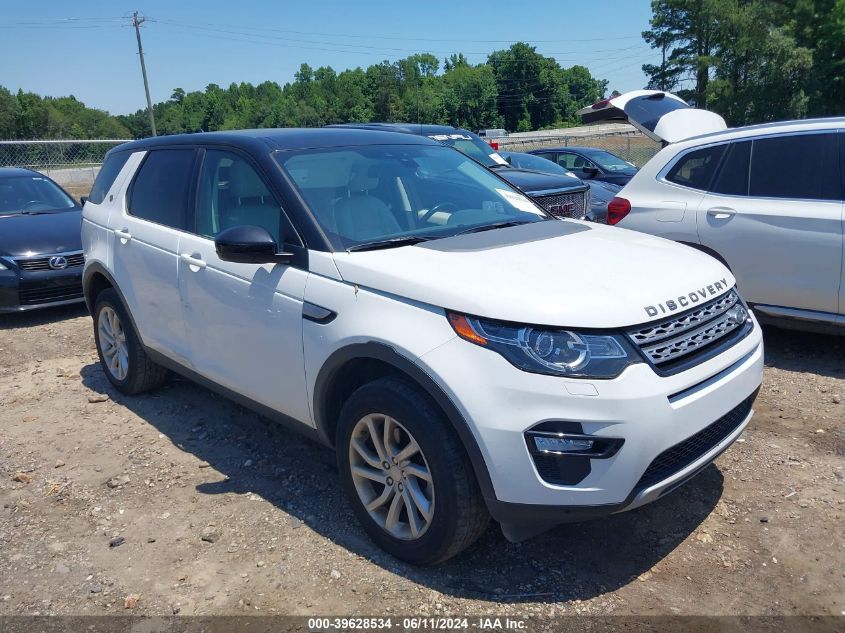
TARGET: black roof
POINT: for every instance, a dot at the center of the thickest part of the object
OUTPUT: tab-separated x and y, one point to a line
420	129
9	172
280	138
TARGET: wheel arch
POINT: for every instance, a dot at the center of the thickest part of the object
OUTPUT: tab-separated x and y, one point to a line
355	365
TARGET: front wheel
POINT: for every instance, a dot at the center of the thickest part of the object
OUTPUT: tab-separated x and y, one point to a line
406	474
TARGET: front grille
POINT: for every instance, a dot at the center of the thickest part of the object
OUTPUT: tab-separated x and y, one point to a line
566	205
50	294
679	456
672	344
74	260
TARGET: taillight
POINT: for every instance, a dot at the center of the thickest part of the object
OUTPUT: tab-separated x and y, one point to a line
617	209
494	145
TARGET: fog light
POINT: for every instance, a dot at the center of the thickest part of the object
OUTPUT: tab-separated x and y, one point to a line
562	445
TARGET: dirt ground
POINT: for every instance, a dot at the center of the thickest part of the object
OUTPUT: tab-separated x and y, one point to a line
182	502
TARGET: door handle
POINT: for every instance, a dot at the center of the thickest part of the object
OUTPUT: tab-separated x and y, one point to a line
721	213
123	234
191	260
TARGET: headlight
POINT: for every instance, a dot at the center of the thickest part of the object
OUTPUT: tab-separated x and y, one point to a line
555	352
3	266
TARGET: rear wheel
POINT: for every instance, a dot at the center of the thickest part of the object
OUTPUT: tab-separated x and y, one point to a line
406	474
122	356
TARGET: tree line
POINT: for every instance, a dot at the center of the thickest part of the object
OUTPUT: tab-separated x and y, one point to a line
517	89
751	60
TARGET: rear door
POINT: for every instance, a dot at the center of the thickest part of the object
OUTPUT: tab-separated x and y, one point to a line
662	116
774	213
244	321
146	229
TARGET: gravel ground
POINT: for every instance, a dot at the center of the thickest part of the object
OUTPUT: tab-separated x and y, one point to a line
182	502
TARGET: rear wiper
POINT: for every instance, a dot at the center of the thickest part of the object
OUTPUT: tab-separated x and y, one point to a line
388	243
490	227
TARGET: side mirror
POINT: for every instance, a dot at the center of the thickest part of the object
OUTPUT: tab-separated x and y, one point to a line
83	200
247	244
590	172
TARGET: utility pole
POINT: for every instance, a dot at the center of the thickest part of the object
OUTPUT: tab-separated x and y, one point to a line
137	22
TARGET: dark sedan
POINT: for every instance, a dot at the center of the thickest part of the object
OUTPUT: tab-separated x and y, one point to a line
590	163
40	245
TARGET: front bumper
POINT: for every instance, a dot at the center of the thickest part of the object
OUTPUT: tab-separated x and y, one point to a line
29	290
652	414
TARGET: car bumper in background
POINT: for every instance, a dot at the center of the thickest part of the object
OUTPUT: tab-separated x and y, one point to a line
21	291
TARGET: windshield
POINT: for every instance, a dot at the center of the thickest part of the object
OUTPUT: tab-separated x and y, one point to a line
471	145
376	193
536	163
609	162
31	195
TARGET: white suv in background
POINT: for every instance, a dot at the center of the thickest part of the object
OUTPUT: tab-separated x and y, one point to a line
397	301
767	200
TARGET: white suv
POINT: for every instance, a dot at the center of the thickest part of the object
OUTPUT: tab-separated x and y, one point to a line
397	301
766	200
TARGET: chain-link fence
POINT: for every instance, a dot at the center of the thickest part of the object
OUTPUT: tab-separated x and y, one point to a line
623	141
72	164
75	164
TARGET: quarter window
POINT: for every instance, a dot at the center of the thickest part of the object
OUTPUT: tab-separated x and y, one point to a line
231	193
161	189
695	169
108	172
732	179
798	166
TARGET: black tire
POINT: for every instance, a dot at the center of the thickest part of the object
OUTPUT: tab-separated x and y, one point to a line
142	374
460	516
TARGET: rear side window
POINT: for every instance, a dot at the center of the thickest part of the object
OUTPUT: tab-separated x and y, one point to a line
161	189
695	169
732	179
799	166
108	172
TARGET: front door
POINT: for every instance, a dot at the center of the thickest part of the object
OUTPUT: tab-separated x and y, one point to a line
244	321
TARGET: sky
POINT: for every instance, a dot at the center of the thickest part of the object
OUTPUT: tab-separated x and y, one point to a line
87	48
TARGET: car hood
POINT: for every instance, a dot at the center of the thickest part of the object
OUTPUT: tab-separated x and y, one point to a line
560	273
532	182
22	235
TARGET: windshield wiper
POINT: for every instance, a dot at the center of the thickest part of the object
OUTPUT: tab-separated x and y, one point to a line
392	242
490	227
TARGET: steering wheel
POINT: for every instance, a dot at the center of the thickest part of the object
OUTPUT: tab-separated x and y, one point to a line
438	207
31	203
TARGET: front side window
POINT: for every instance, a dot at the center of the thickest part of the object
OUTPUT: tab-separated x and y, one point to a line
31	195
367	194
572	161
695	169
799	166
161	189
108	173
232	193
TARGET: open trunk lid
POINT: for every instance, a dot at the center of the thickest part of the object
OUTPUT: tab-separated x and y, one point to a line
662	116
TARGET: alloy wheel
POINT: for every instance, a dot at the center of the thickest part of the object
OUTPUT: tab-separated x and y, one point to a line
391	476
